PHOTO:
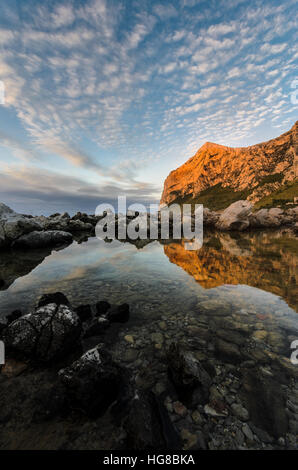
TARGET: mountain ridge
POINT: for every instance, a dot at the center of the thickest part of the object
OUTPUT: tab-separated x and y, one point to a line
251	173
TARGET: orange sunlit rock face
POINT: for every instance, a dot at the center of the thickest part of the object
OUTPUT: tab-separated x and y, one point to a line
236	168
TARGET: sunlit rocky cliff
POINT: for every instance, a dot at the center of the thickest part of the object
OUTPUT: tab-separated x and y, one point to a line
216	176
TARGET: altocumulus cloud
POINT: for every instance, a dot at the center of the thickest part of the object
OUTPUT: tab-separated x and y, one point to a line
106	97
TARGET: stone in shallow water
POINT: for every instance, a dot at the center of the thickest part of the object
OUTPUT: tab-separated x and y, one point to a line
239	411
45	334
187	373
265	400
84	312
190	440
57	298
247	432
129	339
157	338
148	426
92	382
212	412
260	335
228	351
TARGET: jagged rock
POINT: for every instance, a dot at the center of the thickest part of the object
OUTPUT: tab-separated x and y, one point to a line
92	382
13	225
5	211
187	373
118	313
79	226
43	239
45	334
84	312
235	217
267	218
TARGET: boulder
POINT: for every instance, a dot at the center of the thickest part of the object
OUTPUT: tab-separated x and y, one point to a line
235	217
92	382
148	425
267	218
13	225
43	239
79	226
45	334
210	218
187	373
53	298
265	401
84	312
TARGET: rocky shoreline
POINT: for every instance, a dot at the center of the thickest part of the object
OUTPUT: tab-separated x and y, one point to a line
24	231
81	379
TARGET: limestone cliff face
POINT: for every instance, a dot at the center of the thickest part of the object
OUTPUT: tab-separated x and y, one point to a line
254	171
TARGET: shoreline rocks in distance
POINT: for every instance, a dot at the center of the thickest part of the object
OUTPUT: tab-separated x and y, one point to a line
20	231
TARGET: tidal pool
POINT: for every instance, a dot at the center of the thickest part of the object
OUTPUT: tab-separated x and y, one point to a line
253	273
233	303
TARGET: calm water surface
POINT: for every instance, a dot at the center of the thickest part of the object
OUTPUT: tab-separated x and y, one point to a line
244	274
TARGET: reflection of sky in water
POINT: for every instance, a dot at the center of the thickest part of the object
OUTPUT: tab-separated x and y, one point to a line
145	278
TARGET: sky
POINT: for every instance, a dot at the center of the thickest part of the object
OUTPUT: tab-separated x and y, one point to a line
106	97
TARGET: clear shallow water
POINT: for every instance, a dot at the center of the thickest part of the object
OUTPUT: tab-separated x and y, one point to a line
254	273
233	303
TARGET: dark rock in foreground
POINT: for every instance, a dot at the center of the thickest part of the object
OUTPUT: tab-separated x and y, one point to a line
187	373
148	427
45	334
265	402
84	312
92	382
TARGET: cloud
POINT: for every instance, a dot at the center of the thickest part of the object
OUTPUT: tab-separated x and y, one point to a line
48	190
111	89
165	11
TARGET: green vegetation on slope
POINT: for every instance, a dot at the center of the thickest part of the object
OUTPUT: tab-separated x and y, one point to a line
215	198
218	197
280	197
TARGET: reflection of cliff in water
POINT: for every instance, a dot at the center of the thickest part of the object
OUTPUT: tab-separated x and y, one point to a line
266	260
